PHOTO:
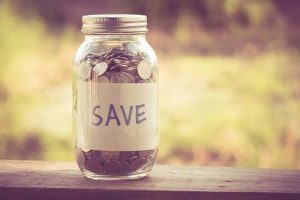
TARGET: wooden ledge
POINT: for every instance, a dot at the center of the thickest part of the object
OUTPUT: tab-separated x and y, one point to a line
62	180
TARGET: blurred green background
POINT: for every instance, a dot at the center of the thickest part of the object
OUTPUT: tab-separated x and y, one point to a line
229	78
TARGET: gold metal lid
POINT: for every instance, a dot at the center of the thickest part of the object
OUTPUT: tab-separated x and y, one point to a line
114	23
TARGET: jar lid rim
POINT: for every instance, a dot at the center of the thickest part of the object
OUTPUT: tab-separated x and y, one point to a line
114	23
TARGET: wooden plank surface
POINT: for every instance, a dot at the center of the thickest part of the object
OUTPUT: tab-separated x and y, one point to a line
63	180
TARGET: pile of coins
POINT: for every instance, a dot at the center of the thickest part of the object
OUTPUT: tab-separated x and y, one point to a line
114	162
123	64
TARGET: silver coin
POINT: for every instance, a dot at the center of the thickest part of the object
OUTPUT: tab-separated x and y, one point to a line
121	62
100	68
91	56
84	71
144	70
102	79
136	60
96	61
85	150
110	155
144	55
122	77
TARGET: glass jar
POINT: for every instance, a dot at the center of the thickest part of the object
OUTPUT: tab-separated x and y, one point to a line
115	98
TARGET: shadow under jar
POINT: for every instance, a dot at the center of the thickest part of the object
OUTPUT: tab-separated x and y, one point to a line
115	98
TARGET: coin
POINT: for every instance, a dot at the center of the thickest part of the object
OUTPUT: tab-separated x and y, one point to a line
114	162
112	166
110	155
100	68
114	68
122	57
121	62
97	156
133	153
130	69
124	167
143	56
131	47
102	79
96	61
124	155
144	70
89	155
132	158
93	166
84	71
144	81
122	77
138	163
145	153
85	150
91	56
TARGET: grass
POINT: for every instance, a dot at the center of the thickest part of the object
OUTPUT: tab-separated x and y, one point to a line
234	110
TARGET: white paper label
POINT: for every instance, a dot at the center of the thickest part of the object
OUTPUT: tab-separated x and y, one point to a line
117	116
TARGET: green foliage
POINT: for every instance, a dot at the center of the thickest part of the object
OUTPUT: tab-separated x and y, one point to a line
35	91
238	110
230	110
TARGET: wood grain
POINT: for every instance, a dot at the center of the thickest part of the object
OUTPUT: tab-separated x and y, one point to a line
62	180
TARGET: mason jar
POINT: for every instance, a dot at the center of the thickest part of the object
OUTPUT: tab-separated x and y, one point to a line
115	98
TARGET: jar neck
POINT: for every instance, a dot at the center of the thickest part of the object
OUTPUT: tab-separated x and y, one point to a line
114	37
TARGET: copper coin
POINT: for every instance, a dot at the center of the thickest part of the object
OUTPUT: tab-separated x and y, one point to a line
132	158
130	70
124	167
110	155
89	155
124	155
122	77
93	166
146	153
138	163
102	79
113	166
97	156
